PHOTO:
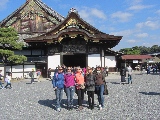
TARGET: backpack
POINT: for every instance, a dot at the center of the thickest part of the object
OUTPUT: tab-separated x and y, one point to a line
38	73
30	74
123	72
6	79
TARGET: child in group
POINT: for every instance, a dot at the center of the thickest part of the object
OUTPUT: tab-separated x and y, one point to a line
8	81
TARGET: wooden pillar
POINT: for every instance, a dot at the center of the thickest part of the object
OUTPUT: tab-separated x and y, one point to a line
61	58
101	56
23	69
86	56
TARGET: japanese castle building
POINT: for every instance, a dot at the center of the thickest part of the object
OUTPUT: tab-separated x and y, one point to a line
54	40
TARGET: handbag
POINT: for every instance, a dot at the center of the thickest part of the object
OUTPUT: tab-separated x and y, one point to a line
105	92
82	86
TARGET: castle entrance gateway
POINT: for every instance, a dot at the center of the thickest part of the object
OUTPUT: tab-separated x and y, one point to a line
74	60
74	51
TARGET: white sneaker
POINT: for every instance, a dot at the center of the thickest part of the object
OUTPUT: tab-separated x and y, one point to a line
100	107
58	109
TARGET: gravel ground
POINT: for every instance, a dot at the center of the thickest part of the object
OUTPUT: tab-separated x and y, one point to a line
137	101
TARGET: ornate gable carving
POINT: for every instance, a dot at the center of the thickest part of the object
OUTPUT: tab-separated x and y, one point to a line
74	23
32	19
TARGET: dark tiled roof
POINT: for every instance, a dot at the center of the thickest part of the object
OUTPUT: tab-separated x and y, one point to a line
42	5
49	10
135	57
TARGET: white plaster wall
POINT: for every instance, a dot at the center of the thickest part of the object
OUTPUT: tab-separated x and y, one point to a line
103	64
8	68
53	61
17	75
110	61
28	68
17	68
94	60
2	68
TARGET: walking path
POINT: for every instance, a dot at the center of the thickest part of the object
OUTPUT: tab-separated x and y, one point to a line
137	101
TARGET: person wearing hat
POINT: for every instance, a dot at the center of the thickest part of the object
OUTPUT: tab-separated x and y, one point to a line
31	74
58	85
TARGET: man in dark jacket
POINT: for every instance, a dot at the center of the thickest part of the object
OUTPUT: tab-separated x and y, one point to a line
31	74
58	85
1	77
123	74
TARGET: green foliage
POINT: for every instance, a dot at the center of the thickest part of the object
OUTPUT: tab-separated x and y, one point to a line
131	51
6	52
17	58
8	43
140	50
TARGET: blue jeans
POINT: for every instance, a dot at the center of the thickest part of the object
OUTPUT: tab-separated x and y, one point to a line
100	90
59	95
129	78
70	94
148	72
32	80
1	84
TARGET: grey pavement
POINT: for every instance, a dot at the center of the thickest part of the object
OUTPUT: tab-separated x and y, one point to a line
137	101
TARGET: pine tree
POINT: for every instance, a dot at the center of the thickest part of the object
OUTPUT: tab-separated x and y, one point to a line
8	43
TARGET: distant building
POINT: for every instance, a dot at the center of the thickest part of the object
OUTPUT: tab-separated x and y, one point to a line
134	60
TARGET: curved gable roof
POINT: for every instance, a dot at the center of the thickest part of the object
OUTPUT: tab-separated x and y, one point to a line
88	29
39	3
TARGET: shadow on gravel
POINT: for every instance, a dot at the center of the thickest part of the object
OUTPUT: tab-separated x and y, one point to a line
28	83
52	103
115	82
155	74
150	93
48	103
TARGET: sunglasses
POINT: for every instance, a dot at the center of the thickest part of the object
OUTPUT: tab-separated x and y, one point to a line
69	69
60	69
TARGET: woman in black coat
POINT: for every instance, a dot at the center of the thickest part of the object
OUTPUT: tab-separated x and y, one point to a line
90	87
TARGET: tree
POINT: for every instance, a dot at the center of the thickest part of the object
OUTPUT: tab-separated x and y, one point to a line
144	50
141	50
154	49
8	43
131	51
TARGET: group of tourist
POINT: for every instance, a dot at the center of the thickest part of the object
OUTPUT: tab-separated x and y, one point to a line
78	81
152	67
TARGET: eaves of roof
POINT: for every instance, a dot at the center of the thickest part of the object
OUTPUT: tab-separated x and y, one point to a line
135	57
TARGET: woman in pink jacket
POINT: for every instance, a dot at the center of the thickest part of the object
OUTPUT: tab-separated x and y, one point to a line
69	80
